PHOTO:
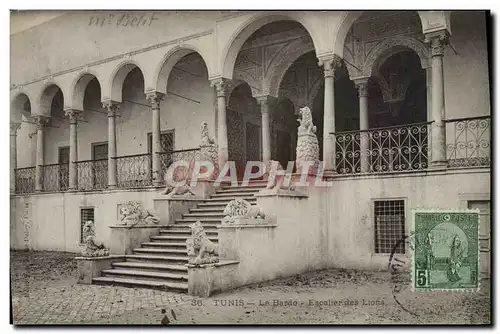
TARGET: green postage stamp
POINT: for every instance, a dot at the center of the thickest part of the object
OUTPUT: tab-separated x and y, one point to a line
446	250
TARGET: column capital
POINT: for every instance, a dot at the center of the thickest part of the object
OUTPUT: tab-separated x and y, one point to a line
14	127
41	121
111	106
264	100
72	114
437	41
329	64
362	86
155	99
221	85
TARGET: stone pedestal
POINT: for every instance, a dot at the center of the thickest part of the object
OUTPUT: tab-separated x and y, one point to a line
168	209
206	279
232	236
90	267
123	239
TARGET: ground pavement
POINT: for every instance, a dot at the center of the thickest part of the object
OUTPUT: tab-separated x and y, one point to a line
44	291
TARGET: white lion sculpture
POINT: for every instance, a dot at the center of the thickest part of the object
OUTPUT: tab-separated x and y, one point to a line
239	208
132	213
92	249
199	248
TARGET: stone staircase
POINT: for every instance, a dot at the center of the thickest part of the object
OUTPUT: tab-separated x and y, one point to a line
160	262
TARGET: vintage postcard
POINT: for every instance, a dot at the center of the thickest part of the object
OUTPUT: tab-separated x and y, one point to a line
176	167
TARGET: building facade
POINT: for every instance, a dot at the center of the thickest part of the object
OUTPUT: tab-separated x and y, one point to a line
103	102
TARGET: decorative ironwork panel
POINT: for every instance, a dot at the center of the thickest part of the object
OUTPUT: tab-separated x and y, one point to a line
92	174
168	158
134	171
469	142
382	150
55	177
25	180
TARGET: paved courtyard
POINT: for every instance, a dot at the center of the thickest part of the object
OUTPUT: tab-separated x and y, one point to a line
44	291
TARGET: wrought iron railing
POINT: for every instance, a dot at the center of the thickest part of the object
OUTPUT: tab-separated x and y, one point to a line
55	177
396	148
168	158
92	174
468	141
25	180
134	171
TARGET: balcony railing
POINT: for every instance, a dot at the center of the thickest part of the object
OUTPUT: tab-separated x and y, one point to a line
468	141
25	180
92	174
396	148
55	177
134	171
168	158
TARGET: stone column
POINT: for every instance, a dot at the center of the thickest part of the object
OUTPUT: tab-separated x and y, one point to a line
40	124
362	87
13	155
112	108
221	89
73	147
437	41
329	66
264	102
155	99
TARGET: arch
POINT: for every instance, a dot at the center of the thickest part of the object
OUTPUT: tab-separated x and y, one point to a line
78	87
247	28
311	95
17	106
390	46
118	77
167	63
48	92
346	23
282	63
244	77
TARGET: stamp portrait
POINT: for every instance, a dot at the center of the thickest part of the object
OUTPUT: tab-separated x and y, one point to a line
446	254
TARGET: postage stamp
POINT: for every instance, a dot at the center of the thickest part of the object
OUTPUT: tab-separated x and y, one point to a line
446	253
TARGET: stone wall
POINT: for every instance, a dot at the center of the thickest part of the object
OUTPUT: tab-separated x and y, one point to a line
52	221
351	214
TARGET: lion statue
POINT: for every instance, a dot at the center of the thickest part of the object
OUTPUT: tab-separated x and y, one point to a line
306	122
92	249
239	208
199	248
177	191
208	150
132	213
205	138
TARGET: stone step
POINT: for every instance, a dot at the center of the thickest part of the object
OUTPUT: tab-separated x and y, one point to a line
202	220
227	199
155	258
231	195
198	215
141	274
213	209
214	206
251	183
132	282
209	226
249	190
163	244
177	230
150	266
180	237
159	250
